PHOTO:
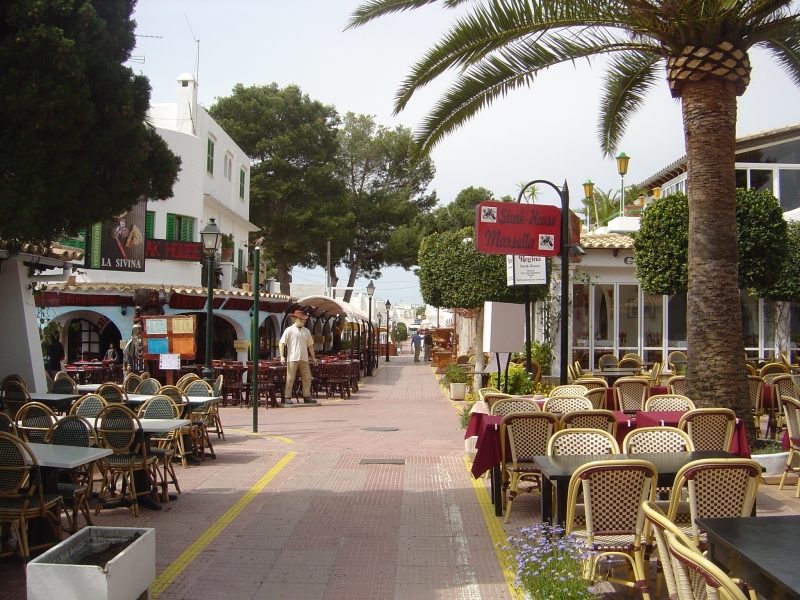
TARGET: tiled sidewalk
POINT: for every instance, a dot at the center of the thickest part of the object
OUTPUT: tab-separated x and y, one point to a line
291	513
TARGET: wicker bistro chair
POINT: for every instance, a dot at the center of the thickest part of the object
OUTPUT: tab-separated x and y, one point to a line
568	390
656	439
572	375
487	390
582	441
565	404
630	393
7	425
709	428
64	385
201	388
34	421
510	405
607	361
756	386
604	420
527	435
634	356
781	385
610	518
75	431
696	577
717	488
179	397
131	382
88	406
187	379
148	387
22	497
112	393
659	528
773	369
491	397
597	397
629	363
580	372
677	385
791	411
674	402
593	383
14	396
119	430
49	382
751	370
163	448
13	377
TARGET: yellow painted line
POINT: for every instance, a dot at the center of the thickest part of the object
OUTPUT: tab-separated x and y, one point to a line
497	533
180	564
266	435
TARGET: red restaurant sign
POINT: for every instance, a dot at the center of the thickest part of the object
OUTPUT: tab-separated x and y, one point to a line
173	250
522	229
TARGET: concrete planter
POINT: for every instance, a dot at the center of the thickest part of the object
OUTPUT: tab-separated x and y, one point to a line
772	463
458	391
127	576
469	447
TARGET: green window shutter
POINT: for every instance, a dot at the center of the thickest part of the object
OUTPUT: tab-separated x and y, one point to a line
149	224
171	227
74	242
187	229
210	156
240	258
241	184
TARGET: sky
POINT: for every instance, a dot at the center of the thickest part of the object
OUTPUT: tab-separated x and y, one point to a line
547	131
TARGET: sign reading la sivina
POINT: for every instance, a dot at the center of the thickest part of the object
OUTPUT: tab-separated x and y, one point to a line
521	229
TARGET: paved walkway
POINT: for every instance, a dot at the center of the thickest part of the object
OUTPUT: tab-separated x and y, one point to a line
292	512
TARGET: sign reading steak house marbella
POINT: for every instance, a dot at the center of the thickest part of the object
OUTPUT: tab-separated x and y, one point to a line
522	229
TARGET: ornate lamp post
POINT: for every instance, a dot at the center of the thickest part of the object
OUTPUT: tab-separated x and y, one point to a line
370	291
388	329
210	236
622	169
378	350
588	193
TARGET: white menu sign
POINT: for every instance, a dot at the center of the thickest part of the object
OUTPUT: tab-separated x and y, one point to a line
526	270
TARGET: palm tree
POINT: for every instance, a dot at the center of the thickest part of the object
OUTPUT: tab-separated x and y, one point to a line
503	44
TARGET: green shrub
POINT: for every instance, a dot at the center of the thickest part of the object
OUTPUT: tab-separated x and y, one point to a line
519	381
452	373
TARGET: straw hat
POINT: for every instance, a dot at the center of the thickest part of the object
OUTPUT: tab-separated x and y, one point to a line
299	314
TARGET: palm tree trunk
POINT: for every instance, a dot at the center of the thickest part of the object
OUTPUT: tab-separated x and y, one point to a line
715	374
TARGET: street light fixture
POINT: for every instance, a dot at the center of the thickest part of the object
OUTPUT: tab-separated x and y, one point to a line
622	169
588	193
388	329
370	291
210	237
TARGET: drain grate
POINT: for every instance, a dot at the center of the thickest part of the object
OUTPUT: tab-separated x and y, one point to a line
382	461
381	428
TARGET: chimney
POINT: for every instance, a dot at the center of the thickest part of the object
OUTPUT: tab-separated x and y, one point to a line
186	113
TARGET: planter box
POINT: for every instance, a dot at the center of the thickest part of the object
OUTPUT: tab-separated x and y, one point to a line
772	463
458	391
127	576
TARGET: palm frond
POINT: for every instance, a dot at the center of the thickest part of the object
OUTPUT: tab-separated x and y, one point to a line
373	9
787	53
630	75
504	71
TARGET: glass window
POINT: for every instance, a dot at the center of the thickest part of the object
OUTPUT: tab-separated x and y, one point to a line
769	328
749	320
241	184
629	317
653	321
653	356
604	315
210	156
785	153
180	227
741	178
761	180
580	316
676	321
790	188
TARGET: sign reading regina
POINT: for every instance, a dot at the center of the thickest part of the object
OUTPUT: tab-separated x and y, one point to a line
522	229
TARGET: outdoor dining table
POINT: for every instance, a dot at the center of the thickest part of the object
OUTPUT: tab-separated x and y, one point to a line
671	418
57	402
655	390
559	470
88	388
759	550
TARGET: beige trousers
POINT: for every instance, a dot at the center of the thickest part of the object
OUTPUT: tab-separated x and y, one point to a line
305	372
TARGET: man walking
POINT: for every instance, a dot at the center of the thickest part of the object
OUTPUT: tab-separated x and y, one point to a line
416	342
427	344
295	347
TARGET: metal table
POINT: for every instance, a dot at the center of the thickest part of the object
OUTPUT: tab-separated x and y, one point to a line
59	402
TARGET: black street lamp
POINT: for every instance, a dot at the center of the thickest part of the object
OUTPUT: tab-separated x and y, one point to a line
370	291
622	169
210	236
388	329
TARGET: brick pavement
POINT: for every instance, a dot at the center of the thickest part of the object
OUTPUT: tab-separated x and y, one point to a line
320	525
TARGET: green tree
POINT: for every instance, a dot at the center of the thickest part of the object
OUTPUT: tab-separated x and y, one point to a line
502	45
385	194
74	145
400	332
452	274
295	198
457	214
662	243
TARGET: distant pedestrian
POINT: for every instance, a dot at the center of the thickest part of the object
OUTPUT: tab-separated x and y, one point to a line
296	348
427	344
416	343
55	354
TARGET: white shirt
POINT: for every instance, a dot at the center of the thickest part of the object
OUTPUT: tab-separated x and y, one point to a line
297	340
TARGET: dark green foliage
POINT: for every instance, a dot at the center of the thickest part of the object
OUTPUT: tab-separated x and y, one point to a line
543	354
453	274
452	373
787	286
74	146
457	214
295	197
400	332
661	245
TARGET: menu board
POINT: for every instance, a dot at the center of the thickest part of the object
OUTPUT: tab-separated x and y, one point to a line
169	335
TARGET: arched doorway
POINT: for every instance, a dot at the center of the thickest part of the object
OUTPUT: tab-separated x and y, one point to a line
223	336
111	336
268	338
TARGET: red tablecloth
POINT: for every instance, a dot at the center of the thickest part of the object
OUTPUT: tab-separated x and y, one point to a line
658	418
487	447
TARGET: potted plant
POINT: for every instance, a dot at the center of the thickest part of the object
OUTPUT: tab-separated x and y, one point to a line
227	247
455	377
769	454
97	562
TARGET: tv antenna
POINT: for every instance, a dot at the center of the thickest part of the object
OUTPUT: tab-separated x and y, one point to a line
197	60
140	59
